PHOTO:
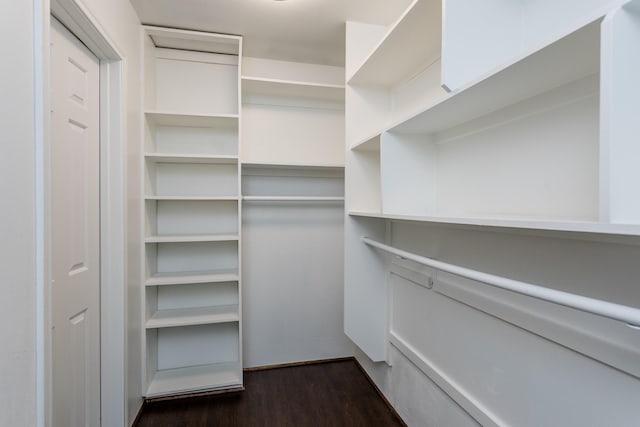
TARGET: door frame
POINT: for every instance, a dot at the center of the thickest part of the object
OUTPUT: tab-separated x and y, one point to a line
77	18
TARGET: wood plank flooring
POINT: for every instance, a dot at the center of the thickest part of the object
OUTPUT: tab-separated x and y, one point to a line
319	395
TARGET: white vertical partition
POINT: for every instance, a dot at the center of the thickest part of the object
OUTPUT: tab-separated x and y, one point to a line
620	107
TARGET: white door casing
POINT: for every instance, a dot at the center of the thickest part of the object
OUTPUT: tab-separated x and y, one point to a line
75	185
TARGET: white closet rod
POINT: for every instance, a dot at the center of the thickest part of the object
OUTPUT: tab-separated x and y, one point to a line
622	313
292	199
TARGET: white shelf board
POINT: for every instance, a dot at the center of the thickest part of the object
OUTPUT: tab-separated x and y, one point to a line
370	143
389	63
194	40
569	59
532	224
173	238
173	118
189	158
193	316
212	276
292	199
275	165
195	378
196	198
289	88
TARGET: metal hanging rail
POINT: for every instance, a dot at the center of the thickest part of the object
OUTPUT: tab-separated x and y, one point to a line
622	313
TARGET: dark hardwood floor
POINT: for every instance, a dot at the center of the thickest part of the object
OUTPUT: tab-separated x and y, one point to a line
325	394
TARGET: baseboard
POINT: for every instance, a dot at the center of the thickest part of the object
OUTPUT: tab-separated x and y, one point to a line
194	394
293	364
380	393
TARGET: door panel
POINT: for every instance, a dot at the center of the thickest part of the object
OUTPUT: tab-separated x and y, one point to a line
75	198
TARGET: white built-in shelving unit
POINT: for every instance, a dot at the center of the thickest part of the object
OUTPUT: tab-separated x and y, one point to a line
481	123
193	333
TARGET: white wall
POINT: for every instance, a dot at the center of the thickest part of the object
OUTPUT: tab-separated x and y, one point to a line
18	191
120	22
17	227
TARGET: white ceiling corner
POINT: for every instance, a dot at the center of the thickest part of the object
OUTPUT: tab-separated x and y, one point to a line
294	30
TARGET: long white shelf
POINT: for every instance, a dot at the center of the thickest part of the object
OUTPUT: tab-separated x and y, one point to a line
212	276
389	62
174	238
276	165
578	226
193	316
195	378
175	118
290	88
370	143
211	198
293	199
569	59
189	158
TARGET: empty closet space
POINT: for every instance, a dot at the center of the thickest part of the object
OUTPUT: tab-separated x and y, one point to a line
292	160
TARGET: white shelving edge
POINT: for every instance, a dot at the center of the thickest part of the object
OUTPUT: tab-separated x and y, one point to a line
190	158
192	238
193	316
276	165
581	227
195	378
388	63
293	199
212	198
292	88
561	62
175	118
213	276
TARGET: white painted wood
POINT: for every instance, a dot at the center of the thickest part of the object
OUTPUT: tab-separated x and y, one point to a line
292	89
195	378
302	73
619	125
479	40
76	231
192	223
184	158
568	59
361	40
500	167
172	317
595	228
194	41
365	289
177	278
292	199
388	63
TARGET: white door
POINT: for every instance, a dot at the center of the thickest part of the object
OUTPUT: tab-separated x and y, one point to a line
75	251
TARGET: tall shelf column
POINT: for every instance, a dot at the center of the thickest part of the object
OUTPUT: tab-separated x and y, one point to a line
192	292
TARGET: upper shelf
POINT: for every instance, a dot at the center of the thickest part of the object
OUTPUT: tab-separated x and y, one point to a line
194	40
167	118
187	158
568	59
388	63
290	88
573	226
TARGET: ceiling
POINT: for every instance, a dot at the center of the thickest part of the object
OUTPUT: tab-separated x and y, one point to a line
295	30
